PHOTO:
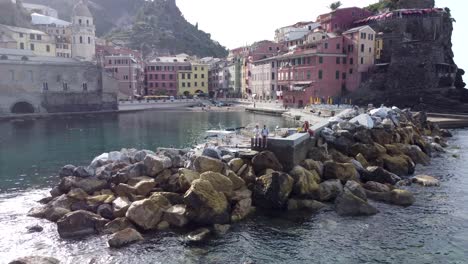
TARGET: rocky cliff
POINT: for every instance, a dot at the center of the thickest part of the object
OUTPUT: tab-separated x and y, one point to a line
417	67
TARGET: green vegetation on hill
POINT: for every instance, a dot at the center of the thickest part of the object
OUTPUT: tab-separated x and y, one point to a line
399	4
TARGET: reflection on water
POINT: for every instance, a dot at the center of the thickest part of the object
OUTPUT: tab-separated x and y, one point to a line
31	152
434	230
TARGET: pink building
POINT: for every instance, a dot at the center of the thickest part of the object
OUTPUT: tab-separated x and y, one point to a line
161	75
342	19
328	67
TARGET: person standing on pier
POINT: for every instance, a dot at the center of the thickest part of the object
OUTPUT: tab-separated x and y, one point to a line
265	133
256	132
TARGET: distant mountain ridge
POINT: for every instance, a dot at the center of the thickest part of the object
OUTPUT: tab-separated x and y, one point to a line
156	25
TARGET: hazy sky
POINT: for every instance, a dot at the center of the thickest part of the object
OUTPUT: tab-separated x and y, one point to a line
238	22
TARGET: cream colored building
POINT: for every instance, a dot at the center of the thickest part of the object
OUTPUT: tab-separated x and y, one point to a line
365	39
39	42
83	32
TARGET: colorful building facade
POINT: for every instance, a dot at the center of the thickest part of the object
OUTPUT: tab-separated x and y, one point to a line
342	19
161	75
193	80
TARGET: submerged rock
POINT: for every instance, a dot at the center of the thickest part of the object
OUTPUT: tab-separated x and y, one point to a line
34	229
425	180
124	238
396	197
309	205
380	175
330	189
350	204
241	210
199	235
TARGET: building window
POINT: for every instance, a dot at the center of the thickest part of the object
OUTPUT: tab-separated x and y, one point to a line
273	76
343	75
156	76
45	86
196	68
203	84
363	35
320	74
81	40
320	60
156	85
188	85
21	35
350	71
163	76
48	48
89	40
22	46
85	87
362	60
337	75
164	85
150	76
79	21
362	47
338	46
326	45
39	37
203	76
32	46
345	60
87	22
370	50
171	76
171	85
189	76
151	85
196	76
183	84
308	60
195	84
183	76
308	75
32	36
351	61
12	74
65	86
338	61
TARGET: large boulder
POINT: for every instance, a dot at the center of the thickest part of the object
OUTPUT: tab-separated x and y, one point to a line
219	182
89	185
400	165
105	210
186	177
241	194
310	164
318	154
144	187
66	170
35	260
237	182
125	237
241	210
414	152
205	205
125	190
148	213
176	215
348	204
203	164
156	164
363	136
376	187
266	160
305	183
272	191
80	224
236	164
212	153
55	209
342	171
363	120
380	175
396	197
117	225
369	151
309	205
330	189
382	136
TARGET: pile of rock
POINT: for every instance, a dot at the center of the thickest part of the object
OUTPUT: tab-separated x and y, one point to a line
356	158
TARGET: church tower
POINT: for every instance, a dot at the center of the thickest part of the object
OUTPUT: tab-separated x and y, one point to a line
83	32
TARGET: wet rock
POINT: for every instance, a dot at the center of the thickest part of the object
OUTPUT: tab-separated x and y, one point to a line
186	177
382	136
163	225
312	165
141	155
199	235
376	187
78	194
309	205
396	197
338	156
34	229
330	189
205	205
247	155
437	147
82	172
221	230
400	165
356	189
67	170
363	136
97	200
272	191
248	174
105	210
380	175
212	153
348	204
173	198
125	237
342	171
219	182
236	164
241	194
176	215
237	182
80	224
305	183
148	213
117	225
89	185
35	260
203	164
124	190
369	151
427	181
156	164
241	210
266	160
54	210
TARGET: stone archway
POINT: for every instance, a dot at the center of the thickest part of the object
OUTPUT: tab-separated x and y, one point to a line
22	108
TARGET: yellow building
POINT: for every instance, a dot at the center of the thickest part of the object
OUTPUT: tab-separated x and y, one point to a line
379	46
40	43
194	81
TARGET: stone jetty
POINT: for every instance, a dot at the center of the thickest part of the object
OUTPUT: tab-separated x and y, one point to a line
355	159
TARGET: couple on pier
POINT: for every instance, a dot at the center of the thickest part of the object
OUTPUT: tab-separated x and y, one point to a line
261	136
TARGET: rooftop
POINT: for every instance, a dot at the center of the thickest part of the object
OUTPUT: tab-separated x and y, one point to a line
22	30
39	19
356	29
81	9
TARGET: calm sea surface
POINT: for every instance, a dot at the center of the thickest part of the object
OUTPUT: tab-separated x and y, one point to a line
434	230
